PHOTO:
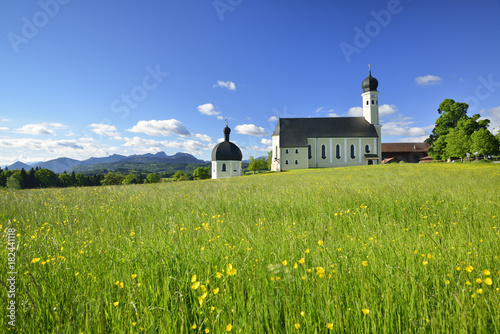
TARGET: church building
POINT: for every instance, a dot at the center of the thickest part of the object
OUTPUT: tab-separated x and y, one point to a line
331	141
226	158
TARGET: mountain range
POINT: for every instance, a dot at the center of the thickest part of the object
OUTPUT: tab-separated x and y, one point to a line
60	165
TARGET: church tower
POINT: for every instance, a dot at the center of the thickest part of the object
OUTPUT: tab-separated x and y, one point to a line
226	158
370	98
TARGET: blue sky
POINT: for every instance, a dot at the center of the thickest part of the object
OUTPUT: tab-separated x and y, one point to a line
93	78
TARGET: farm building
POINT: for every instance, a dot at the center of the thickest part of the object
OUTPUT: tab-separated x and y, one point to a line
407	152
331	141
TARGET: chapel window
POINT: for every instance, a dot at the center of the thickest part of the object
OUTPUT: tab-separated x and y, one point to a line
353	151
309	151
337	151
323	151
223	167
367	148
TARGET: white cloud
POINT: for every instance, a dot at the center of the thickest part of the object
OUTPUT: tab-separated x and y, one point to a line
267	142
332	114
387	109
226	84
208	109
4	128
251	129
355	112
272	119
40	128
319	109
4	120
418	139
493	115
220	117
403	128
203	137
105	130
161	128
428	80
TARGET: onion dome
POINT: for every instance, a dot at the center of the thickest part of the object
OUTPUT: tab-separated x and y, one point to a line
370	83
226	150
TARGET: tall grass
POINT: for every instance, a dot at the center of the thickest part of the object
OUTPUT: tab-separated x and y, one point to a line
383	249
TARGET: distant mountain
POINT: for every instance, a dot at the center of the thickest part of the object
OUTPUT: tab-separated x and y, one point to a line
148	161
104	160
19	165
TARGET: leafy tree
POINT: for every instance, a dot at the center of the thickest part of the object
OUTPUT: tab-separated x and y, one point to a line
32	181
65	180
129	179
452	113
458	143
180	175
17	174
3	179
201	173
46	177
484	143
269	159
81	180
153	178
112	179
13	183
256	164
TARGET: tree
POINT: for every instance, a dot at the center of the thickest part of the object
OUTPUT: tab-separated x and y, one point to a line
13	183
484	143
65	180
46	177
19	176
452	113
269	159
153	178
129	179
458	143
201	173
256	164
81	180
180	175
112	179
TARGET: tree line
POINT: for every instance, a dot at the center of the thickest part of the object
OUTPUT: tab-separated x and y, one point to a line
457	135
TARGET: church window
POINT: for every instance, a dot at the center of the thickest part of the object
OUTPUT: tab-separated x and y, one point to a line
286	162
367	148
296	162
337	151
323	151
353	151
286	151
373	102
223	168
296	151
367	102
309	151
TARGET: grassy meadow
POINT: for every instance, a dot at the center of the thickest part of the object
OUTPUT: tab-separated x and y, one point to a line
375	249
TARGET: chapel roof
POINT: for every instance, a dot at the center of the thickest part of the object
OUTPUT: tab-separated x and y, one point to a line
294	132
226	150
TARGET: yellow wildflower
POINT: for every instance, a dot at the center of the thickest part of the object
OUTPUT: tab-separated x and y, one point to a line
230	270
488	281
215	291
219	275
469	268
35	260
116	303
196	285
134	275
320	242
329	325
194	326
364	263
229	327
193	279
285	262
486	272
365	311
479	281
302	260
297	325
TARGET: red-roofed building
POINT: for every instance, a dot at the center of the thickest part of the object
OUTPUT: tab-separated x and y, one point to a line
407	152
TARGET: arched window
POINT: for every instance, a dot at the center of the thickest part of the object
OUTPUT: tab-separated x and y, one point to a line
323	151
337	151
367	102
286	162
353	151
367	148
296	162
296	151
223	168
286	151
373	102
309	151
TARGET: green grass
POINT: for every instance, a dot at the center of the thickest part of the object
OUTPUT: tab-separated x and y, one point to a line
418	227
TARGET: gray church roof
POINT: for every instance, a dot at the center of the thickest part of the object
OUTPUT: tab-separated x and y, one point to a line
294	132
226	150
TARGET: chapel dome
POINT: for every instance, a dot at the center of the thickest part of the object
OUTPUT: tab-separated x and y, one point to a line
226	150
370	83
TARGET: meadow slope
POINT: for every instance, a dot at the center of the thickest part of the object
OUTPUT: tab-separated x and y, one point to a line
382	249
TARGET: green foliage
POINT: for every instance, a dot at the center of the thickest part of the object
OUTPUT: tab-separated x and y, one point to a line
113	179
453	116
269	159
405	241
201	173
47	178
13	183
484	143
129	179
153	178
180	176
257	164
